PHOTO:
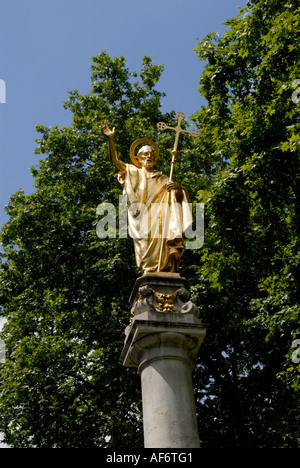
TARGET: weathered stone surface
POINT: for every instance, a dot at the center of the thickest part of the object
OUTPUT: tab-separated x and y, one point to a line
161	341
162	292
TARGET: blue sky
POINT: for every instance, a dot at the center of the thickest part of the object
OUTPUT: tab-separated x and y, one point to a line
46	50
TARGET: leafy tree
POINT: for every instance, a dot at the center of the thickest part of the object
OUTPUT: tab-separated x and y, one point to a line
248	273
65	291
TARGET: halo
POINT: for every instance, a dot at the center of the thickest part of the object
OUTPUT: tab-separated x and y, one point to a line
140	141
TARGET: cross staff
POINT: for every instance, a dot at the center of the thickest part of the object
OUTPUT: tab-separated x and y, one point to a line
195	133
162	126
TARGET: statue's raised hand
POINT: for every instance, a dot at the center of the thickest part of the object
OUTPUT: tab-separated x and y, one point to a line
107	132
111	148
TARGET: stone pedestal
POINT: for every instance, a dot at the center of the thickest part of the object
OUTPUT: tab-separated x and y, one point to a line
162	340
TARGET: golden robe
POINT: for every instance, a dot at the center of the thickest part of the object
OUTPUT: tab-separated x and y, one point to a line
149	204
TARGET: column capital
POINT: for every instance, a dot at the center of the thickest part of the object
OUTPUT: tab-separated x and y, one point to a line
169	334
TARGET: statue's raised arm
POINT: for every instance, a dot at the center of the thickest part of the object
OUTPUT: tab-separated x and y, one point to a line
110	134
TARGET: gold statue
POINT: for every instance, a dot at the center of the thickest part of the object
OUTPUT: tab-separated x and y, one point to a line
158	208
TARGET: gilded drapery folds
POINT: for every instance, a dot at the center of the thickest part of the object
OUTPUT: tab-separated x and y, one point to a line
149	205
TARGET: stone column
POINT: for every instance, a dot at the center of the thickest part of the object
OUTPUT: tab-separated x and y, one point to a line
162	340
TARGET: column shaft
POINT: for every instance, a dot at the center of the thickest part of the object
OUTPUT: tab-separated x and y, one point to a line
167	391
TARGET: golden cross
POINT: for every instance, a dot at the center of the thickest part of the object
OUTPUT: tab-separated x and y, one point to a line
162	126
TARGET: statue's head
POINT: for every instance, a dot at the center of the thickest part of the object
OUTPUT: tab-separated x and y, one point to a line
146	156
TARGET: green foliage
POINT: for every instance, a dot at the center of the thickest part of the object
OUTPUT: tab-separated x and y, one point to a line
64	291
250	288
